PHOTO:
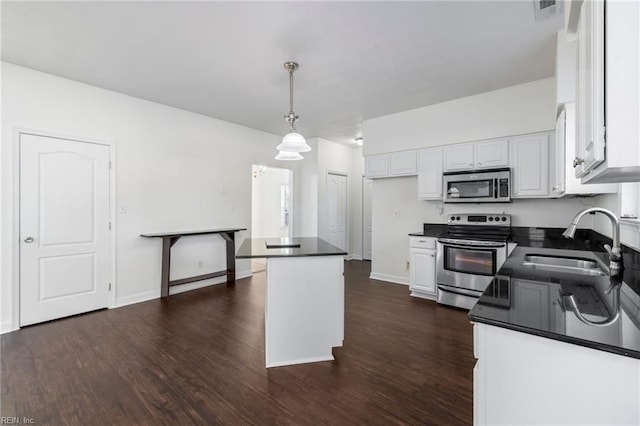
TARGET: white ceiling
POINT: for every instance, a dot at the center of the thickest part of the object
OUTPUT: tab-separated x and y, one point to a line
358	60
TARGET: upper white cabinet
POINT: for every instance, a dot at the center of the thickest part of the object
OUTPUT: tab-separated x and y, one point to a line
376	165
608	111
492	153
530	165
477	155
563	180
430	174
402	163
590	88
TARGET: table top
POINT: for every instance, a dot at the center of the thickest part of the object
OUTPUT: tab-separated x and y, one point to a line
185	233
309	246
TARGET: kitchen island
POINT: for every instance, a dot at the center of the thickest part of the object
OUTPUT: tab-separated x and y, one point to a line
547	358
304	302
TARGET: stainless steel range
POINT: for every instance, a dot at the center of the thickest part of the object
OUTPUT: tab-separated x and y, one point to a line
469	255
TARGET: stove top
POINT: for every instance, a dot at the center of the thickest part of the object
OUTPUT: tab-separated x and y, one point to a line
478	227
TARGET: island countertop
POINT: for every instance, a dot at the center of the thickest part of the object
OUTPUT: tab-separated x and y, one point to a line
308	246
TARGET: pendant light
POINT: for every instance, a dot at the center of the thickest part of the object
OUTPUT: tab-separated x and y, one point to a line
288	156
293	142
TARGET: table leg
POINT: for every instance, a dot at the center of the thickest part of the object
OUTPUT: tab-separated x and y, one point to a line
167	243
229	237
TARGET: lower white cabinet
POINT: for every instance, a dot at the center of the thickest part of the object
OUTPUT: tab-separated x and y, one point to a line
422	267
521	378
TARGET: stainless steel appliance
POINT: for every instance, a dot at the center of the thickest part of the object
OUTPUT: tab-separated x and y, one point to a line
468	256
483	186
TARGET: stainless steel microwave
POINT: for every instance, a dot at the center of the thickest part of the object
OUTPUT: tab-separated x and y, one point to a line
479	186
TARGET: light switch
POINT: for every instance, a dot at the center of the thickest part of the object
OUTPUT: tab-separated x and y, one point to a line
122	209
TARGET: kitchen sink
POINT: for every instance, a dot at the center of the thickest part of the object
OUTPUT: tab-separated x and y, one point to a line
572	265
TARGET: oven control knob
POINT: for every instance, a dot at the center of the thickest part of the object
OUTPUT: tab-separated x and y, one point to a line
458	218
453	218
504	219
497	219
490	219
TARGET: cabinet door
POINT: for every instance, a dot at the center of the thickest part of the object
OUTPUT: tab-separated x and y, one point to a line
430	174
532	300
402	163
530	165
376	165
493	153
423	270
459	157
590	88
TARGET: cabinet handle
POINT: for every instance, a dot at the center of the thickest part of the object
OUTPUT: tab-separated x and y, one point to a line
422	241
479	163
577	161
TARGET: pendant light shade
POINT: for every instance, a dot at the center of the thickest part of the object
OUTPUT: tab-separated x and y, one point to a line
288	156
293	142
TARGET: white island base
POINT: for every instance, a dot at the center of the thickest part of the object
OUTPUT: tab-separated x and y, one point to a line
304	309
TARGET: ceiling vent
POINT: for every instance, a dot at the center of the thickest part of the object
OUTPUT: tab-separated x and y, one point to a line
545	9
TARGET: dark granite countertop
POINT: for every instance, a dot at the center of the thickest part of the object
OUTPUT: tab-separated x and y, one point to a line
309	246
529	300
430	230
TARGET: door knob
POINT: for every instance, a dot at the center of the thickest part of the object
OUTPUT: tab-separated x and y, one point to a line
28	240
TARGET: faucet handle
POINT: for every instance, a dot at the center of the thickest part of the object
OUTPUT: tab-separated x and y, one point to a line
613	253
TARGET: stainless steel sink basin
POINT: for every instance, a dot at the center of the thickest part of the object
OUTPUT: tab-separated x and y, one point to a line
572	265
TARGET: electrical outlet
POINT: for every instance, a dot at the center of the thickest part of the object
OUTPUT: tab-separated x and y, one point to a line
407	267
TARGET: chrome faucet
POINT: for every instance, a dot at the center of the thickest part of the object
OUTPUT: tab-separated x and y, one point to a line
615	253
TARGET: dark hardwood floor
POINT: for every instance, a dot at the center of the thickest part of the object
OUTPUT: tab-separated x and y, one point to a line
198	358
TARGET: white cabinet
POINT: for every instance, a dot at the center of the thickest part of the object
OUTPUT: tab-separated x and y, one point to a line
530	165
477	155
611	154
590	88
520	378
492	153
564	181
430	174
422	267
388	165
376	165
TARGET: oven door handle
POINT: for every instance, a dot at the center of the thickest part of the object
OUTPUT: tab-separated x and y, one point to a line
464	244
458	290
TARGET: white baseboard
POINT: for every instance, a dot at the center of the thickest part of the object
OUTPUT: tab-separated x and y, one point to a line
389	278
7	327
155	294
137	298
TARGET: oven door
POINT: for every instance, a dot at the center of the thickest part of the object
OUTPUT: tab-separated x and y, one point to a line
469	265
457	190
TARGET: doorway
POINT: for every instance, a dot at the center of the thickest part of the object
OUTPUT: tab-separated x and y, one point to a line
271	206
337	210
367	185
64	227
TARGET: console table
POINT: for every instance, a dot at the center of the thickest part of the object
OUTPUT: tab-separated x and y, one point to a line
170	238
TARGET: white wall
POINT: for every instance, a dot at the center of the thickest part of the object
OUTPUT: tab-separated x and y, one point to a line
175	170
525	108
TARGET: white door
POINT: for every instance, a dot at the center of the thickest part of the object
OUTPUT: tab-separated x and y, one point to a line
367	185
64	228
337	206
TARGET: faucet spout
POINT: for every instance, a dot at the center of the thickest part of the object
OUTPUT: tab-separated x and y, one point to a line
615	252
